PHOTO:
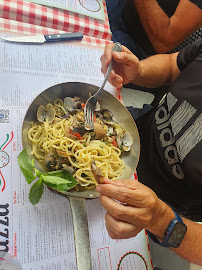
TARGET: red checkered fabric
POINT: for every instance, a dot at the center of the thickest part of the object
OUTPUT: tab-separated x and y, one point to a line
30	18
15	27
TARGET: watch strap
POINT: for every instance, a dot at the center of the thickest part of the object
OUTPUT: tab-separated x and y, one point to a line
171	225
165	242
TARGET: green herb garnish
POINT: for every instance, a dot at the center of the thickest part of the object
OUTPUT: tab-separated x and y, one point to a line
59	180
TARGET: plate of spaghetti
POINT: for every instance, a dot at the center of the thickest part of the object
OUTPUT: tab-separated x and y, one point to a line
55	135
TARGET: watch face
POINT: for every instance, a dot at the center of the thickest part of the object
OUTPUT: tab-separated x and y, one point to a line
177	234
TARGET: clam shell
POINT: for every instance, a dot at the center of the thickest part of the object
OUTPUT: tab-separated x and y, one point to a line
97	107
109	121
44	114
70	104
126	148
50	115
41	113
107	114
127	139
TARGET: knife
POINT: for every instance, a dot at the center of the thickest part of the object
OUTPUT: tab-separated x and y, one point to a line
45	38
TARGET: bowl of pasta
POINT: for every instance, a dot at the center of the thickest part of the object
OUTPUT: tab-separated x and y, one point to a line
54	135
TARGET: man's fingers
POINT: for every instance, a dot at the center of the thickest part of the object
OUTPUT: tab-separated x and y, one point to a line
114	79
111	232
106	57
121	61
107	54
108	51
136	197
127	183
121	212
125	58
118	229
130	183
126	50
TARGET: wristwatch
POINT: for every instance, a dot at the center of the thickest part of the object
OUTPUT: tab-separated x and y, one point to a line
174	234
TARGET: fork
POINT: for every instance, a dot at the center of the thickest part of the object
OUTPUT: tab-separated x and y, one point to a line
91	102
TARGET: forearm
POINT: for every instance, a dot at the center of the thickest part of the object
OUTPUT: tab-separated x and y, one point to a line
191	247
154	71
166	33
155	22
158	70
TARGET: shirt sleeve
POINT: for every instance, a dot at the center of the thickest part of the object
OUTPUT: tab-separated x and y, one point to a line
188	54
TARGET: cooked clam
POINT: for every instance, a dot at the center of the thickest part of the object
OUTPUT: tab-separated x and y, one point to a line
41	113
127	139
61	161
46	114
49	106
99	115
97	107
65	116
119	140
124	141
111	131
109	121
107	114
97	173
126	148
78	102
50	161
70	104
80	116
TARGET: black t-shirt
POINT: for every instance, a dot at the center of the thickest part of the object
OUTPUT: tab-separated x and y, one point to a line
171	139
135	28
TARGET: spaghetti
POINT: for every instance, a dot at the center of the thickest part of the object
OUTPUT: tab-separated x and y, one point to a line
64	144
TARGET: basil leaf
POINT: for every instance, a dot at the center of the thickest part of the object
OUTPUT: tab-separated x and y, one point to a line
36	191
26	166
59	173
37	172
56	173
61	184
68	176
63	174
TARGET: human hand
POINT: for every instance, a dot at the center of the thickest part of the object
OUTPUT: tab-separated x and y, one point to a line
126	67
131	207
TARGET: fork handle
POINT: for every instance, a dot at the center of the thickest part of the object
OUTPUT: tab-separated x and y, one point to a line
116	48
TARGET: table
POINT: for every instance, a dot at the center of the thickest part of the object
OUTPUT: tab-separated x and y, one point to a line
28	18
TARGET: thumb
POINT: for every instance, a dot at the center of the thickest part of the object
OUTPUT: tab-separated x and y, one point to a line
125	58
